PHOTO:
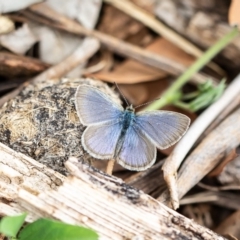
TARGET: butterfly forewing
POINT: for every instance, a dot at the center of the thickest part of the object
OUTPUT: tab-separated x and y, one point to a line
163	128
137	152
95	107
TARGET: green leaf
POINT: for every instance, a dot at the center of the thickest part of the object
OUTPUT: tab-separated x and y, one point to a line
205	86
208	95
46	229
9	226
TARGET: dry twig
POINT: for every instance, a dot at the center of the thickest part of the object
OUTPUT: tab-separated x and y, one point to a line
17	65
81	55
125	49
224	199
206	156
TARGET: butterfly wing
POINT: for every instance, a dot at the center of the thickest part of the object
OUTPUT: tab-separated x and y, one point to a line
137	152
100	140
163	128
94	106
103	118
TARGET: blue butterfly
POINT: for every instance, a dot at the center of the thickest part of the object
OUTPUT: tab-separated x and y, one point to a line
128	137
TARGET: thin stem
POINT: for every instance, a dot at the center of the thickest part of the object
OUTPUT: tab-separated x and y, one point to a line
168	96
182	105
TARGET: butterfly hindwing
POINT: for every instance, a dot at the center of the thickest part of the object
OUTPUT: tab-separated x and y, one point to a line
163	128
100	140
137	151
94	106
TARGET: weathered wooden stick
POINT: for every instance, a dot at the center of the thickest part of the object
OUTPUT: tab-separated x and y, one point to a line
114	209
150	181
215	147
19	170
86	50
90	198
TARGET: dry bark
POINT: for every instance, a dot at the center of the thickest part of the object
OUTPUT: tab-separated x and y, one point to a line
90	198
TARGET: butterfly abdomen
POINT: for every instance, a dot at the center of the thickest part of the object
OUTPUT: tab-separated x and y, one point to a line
128	118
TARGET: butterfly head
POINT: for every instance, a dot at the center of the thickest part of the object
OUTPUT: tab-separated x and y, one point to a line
130	108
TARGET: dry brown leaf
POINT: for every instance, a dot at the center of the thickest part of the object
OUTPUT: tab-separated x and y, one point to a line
122	26
233	14
79	10
132	71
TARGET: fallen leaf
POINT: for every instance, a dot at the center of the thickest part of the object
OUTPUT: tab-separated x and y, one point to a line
55	46
84	11
15	5
131	71
20	40
119	20
233	13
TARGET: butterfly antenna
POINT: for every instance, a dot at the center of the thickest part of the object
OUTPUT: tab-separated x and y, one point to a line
146	103
121	94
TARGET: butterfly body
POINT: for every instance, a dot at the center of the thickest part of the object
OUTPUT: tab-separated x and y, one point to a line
127	120
128	137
